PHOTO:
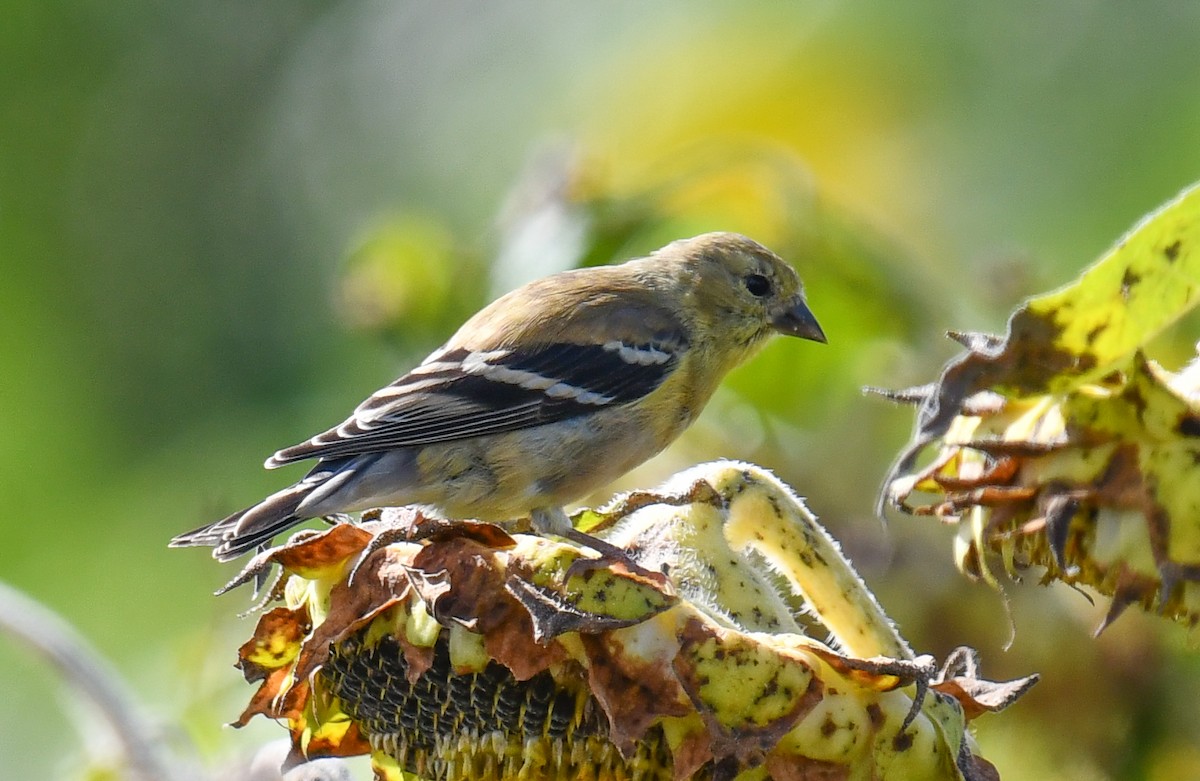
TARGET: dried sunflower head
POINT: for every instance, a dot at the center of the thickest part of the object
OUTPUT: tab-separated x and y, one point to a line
458	651
1062	446
1096	486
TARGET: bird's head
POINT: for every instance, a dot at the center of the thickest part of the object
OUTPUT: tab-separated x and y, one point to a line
746	290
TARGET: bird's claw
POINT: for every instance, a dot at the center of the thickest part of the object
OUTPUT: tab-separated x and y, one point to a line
611	557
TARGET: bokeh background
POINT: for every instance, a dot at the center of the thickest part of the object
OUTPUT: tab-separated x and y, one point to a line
223	223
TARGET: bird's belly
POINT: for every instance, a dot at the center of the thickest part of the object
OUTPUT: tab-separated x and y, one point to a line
505	476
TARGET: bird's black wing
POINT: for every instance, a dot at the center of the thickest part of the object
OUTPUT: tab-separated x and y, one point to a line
460	394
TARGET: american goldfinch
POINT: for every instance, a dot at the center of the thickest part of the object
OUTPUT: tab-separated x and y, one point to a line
550	392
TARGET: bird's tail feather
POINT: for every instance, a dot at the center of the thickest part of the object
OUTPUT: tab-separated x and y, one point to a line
332	486
246	529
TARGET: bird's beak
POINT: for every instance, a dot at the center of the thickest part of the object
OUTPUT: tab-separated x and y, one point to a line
797	320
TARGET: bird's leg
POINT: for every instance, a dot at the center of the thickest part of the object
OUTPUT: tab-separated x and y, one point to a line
554	521
551	520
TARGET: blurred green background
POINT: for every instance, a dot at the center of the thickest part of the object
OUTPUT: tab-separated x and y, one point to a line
224	223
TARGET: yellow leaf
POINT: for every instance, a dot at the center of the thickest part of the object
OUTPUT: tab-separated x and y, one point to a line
1145	283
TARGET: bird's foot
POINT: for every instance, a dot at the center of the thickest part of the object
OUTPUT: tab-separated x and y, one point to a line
555	522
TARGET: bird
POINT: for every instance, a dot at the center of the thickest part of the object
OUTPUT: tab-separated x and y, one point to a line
550	392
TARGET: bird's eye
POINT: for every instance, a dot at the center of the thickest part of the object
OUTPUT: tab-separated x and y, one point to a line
757	284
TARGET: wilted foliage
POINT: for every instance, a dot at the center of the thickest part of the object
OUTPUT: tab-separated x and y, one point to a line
454	650
1063	446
